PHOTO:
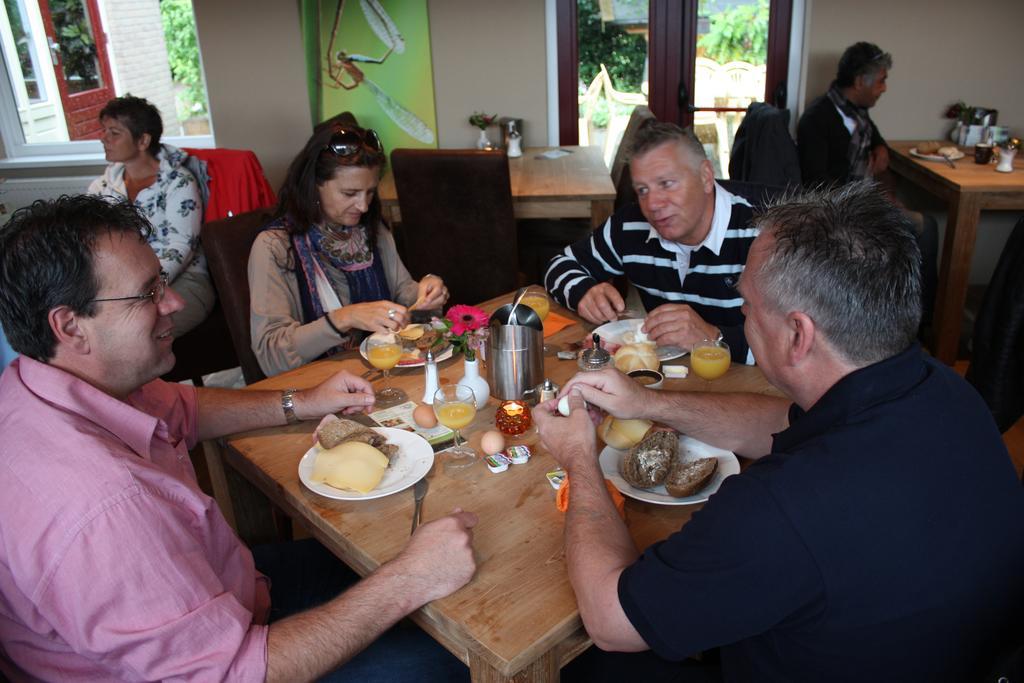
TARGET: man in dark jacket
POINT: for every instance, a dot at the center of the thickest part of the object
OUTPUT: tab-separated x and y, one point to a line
838	142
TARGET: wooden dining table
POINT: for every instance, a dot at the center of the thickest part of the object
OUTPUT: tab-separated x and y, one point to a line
968	189
573	185
517	619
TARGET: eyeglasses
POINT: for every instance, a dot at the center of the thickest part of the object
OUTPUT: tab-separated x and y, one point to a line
347	142
156	294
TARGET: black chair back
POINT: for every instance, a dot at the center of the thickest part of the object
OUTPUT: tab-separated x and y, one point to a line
457	220
227	243
997	355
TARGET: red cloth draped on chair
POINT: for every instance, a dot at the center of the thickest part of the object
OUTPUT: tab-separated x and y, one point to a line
237	183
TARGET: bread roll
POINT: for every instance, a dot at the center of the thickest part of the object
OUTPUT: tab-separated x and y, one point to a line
622	434
687	478
928	147
641	356
647	464
949	151
339	431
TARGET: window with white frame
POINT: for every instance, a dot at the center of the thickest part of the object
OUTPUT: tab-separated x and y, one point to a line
64	59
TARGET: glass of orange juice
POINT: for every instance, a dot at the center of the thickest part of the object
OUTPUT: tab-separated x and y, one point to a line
710	359
384	354
455	407
537	299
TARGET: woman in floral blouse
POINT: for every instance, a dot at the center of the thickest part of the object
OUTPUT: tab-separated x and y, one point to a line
154	178
326	270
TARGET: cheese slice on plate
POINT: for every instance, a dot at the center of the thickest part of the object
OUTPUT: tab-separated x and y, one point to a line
353	465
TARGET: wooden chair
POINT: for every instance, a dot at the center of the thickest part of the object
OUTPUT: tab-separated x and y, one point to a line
621	178
457	220
227	243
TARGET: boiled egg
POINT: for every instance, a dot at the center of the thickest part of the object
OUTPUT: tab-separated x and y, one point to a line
492	442
424	416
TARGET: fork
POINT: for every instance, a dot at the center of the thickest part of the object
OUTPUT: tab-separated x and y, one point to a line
419	492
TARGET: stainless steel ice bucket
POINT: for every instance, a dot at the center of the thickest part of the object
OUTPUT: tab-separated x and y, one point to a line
515	352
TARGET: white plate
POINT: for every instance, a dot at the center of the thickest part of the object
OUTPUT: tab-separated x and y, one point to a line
444	355
410	464
689	449
935	157
613	332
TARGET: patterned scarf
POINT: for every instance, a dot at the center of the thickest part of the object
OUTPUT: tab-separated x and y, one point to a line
345	250
860	140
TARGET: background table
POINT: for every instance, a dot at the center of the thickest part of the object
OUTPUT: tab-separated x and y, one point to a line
967	189
518	616
577	185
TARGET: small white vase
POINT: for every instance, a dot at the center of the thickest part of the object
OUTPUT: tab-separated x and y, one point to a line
473	380
483	142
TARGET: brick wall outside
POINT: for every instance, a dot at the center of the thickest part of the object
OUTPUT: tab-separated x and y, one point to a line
136	40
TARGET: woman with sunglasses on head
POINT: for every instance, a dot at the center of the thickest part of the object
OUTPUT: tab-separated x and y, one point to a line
156	179
326	271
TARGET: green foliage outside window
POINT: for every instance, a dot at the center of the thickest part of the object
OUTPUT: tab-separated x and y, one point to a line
740	33
183	55
621	53
77	47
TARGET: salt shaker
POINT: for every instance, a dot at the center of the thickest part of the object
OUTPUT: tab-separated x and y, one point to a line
430	383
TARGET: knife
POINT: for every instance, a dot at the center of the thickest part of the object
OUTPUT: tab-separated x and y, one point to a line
419	492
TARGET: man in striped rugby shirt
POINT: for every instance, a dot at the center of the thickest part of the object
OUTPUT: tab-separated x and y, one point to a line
683	247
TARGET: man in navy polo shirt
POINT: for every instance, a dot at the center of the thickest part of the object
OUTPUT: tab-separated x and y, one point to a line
880	536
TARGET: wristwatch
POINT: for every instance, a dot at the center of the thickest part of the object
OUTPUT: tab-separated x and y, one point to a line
288	406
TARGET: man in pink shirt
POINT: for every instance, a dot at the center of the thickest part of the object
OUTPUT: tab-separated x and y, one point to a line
113	563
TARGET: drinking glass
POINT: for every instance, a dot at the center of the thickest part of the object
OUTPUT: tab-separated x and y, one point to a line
455	407
384	354
537	299
710	359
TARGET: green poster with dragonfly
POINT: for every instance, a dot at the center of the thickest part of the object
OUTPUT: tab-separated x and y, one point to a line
372	58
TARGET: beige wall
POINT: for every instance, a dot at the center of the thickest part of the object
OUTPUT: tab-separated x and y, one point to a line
487	54
942	52
255	78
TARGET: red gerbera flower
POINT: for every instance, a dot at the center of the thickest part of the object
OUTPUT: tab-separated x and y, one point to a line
466	318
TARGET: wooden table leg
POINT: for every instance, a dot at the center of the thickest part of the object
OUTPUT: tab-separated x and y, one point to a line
543	670
957	250
600	209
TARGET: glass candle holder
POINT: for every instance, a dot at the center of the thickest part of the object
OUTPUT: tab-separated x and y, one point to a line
512	418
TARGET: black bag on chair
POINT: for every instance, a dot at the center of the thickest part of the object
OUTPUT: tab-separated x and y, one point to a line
997	358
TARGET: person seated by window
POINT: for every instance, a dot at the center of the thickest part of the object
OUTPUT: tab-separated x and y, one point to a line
326	270
839	143
154	178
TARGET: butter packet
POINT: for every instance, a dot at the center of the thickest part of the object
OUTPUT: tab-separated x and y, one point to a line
675	371
555	478
497	463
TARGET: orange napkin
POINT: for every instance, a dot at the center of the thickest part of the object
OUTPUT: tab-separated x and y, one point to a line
556	323
562	497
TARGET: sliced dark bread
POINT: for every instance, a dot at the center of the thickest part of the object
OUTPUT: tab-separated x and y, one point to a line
687	478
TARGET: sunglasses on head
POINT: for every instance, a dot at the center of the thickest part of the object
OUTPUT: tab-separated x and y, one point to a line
347	142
